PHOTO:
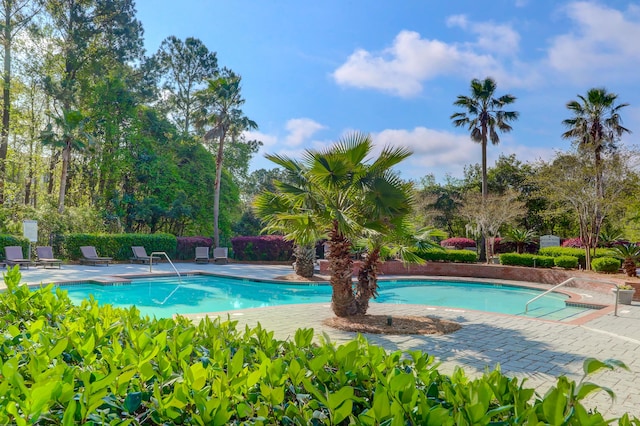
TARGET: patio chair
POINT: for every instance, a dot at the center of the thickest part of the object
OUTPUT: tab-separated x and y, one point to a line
140	255
202	255
220	255
90	257
46	257
13	256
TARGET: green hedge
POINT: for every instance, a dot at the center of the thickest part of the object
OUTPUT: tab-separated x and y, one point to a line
118	246
460	256
572	251
606	264
530	260
566	262
91	364
13	240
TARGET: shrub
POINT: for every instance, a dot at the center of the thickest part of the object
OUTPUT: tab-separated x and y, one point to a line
92	364
461	256
186	246
458	242
573	242
572	251
526	259
263	247
118	246
566	262
606	265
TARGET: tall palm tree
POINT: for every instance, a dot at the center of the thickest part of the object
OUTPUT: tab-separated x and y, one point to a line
341	194
596	125
220	116
484	117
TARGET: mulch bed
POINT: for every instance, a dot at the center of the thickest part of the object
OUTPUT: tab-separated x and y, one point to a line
378	324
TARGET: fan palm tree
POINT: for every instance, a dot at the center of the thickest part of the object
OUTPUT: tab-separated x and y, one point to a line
341	195
220	116
484	117
278	210
629	253
596	125
520	237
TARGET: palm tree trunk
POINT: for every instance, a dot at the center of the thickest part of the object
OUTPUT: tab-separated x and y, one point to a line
367	287
6	103
216	191
305	260
343	301
66	156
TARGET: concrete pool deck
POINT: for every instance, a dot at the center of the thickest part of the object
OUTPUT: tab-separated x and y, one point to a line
526	348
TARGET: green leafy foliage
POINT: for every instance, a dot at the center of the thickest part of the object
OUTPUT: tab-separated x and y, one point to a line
67	364
118	246
605	264
462	256
566	262
531	260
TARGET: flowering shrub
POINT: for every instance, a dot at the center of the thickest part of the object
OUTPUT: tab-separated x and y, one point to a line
187	246
263	247
573	242
458	242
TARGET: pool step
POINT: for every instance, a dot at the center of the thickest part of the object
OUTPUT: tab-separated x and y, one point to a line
562	314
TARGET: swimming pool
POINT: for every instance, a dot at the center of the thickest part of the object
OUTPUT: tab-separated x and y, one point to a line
164	296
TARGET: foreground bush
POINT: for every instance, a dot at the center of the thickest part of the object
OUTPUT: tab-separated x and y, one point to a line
572	251
63	364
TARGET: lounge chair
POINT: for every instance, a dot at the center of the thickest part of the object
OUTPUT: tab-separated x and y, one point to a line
13	256
202	255
220	255
90	257
140	255
46	258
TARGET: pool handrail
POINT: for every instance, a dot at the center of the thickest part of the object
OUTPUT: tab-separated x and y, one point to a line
567	281
168	260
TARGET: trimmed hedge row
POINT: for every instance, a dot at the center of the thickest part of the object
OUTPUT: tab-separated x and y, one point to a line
460	256
92	364
118	246
572	251
526	259
566	262
186	246
262	247
13	240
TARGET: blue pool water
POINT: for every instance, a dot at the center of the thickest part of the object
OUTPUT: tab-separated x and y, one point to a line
164	297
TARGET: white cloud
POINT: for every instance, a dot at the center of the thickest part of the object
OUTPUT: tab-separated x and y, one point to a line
499	39
602	39
300	129
402	68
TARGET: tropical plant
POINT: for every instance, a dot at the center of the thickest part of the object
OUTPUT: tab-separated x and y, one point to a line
484	117
220	116
629	254
520	237
609	238
339	194
596	125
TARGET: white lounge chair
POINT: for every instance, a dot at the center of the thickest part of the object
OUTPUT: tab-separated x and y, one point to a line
202	255
220	255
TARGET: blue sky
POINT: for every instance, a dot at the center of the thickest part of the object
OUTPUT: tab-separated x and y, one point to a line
313	71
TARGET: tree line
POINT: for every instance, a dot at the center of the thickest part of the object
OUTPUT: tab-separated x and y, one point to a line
99	135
